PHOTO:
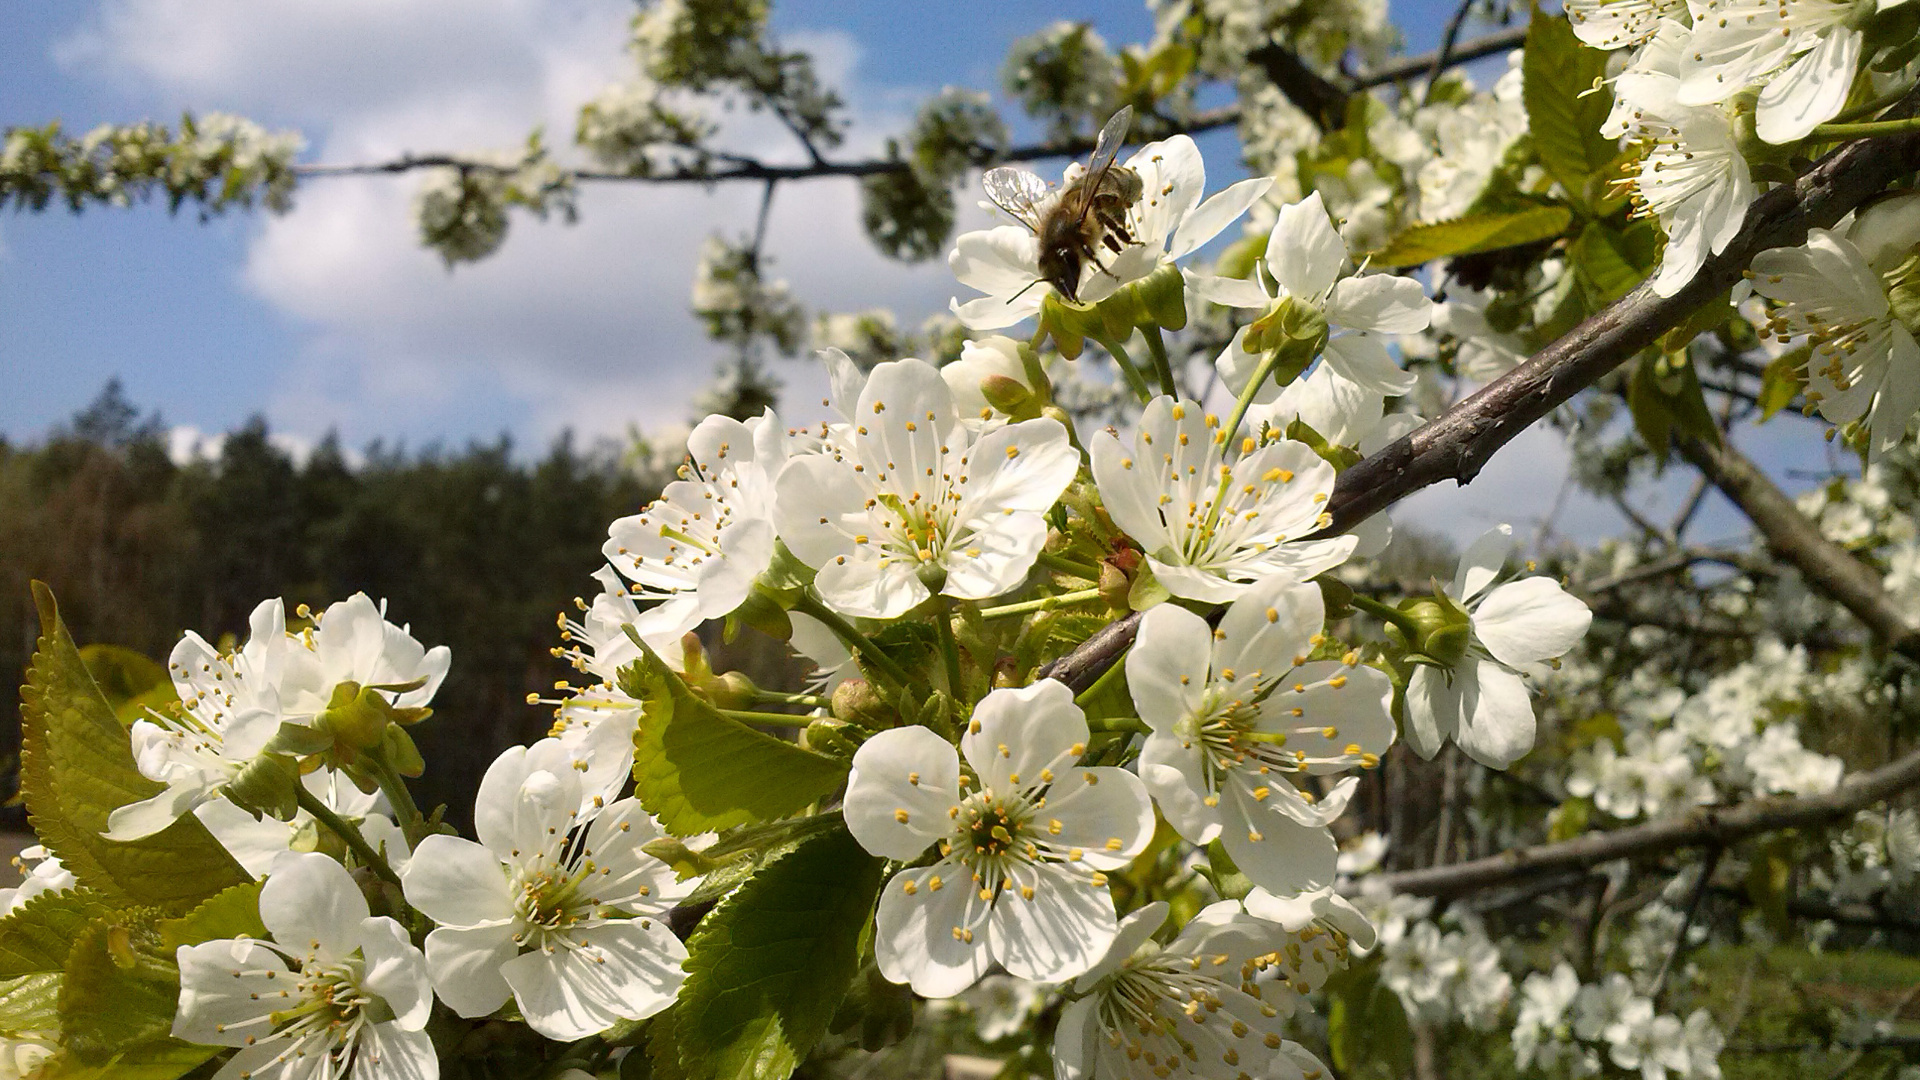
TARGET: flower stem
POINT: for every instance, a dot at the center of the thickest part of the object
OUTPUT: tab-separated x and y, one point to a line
1118	723
1245	401
773	719
776	697
863	648
949	648
404	808
1069	566
1114	673
1868	130
1389	613
1044	603
1868	108
1125	364
356	843
1162	367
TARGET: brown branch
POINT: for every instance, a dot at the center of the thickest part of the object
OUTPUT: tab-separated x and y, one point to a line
1706	827
739	167
1829	568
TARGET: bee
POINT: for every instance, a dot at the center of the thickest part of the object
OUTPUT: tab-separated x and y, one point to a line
1089	213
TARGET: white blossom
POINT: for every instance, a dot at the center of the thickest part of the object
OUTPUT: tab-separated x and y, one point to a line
1021	875
337	993
1802	55
43	874
556	907
1481	702
699	547
1241	719
1190	1008
910	502
1215	518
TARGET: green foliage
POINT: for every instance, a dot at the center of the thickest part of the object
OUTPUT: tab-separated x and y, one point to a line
121	987
768	968
1367	1031
906	219
37	938
231	913
78	767
1064	75
697	770
215	161
1611	262
1664	395
1785	377
1564	108
1470	235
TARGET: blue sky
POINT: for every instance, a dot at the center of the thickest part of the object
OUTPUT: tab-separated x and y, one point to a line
333	318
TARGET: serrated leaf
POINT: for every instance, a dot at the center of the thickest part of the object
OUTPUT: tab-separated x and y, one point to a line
41	933
30	1004
1782	381
768	968
698	771
232	913
1469	235
1566	103
77	767
1611	263
121	986
131	682
161	1059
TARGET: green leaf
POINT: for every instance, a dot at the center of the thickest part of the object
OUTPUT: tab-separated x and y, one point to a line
1783	380
1664	395
30	1004
1468	235
1612	263
697	771
38	937
162	1059
132	683
77	767
1564	107
1770	881
1367	1031
232	913
768	968
121	986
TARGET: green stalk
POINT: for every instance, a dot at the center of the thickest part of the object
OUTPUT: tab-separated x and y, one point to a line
1114	673
1869	130
404	808
1069	566
775	697
1045	603
1868	108
356	843
1119	723
949	648
1391	614
1131	373
1162	366
850	636
775	719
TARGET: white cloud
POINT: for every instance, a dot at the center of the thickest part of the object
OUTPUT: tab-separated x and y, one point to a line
584	326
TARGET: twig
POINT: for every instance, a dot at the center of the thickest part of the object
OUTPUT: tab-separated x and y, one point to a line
1708	826
1447	39
1827	566
1694	897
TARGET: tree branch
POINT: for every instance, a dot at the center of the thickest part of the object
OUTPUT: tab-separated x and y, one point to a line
1706	827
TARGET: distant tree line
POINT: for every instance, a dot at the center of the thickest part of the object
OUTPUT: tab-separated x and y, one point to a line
476	548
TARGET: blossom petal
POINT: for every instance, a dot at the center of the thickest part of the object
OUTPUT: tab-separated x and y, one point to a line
1061	932
1104	813
391	1051
1811	91
310	901
1287	858
1433	710
396	971
1381	303
903	783
1172	774
1481	563
1075	1039
932	938
456	882
1173	177
1016	734
626	969
998	261
1899	396
1526	621
1497	725
1167	667
465	963
223	984
1304	252
1265	630
1363	360
1214	215
1226	291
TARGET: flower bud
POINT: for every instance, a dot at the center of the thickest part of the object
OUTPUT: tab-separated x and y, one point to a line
834	738
857	702
1005	394
933	575
1442	630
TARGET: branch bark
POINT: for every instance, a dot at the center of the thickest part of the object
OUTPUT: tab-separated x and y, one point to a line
1829	568
1708	826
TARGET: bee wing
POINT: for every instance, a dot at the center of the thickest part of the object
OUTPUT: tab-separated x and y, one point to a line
1016	191
1113	135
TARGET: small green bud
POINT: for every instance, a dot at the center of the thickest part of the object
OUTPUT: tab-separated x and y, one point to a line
834	738
856	702
1005	394
933	575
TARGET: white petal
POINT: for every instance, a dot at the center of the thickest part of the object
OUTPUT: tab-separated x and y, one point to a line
1074	1040
465	965
1304	253
1264	630
811	487
999	261
1811	91
456	882
1015	734
1381	303
864	588
1481	563
1172	773
1127	491
914	933
1526	621
1225	291
1104	812
254	844
1899	396
1433	710
996	313
395	971
212	997
1060	933
390	1051
1173	176
1288	858
1497	726
620	970
309	900
1136	929
137	821
1364	361
1167	667
1220	210
906	772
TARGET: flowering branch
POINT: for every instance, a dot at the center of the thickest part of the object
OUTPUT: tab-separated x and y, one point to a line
1827	566
1706	827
